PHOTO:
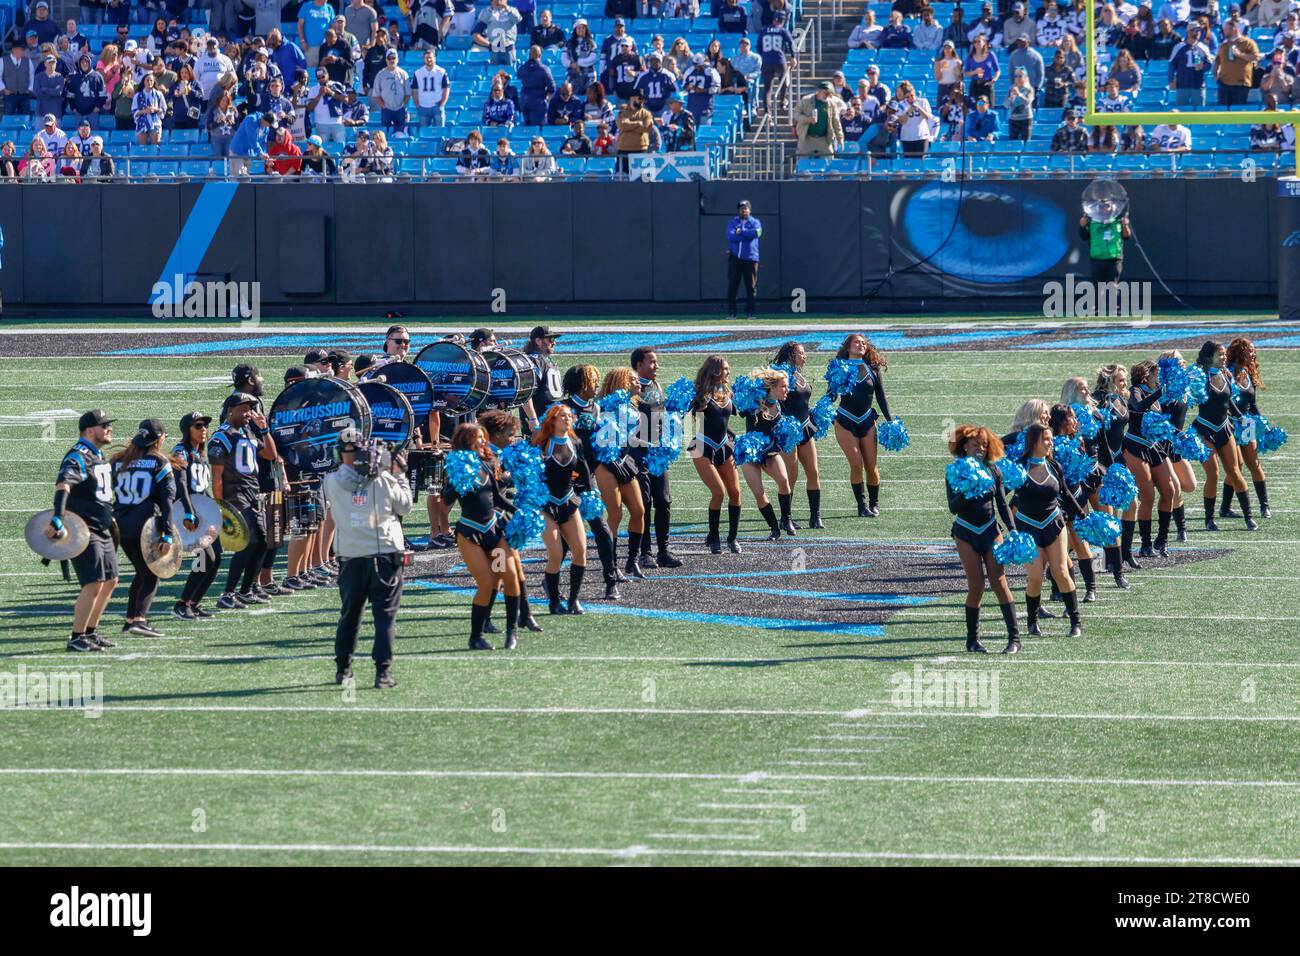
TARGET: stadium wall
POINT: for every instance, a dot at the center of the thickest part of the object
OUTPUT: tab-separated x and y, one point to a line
582	246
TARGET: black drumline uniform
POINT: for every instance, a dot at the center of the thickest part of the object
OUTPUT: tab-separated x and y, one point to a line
198	481
143	489
1039	511
655	489
606	546
764	423
549	389
855	412
89	477
266	483
235	451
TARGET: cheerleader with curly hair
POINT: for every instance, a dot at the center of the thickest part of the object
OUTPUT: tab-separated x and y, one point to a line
1214	425
1040	503
616	480
1243	367
855	419
975	532
797	405
714	449
1184	477
563	468
1149	463
763	420
580	384
1063	421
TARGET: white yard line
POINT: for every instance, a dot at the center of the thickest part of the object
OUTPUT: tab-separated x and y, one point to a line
719	821
703	836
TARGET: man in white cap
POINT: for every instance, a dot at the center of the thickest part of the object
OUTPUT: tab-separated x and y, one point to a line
701	83
210	66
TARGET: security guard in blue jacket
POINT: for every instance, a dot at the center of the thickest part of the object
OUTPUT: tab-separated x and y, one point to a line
743	233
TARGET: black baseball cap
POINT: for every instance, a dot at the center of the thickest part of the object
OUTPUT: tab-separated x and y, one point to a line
316	356
241	398
480	335
92	418
363	362
338	357
743	202
194	418
151	429
298	371
242	373
543	332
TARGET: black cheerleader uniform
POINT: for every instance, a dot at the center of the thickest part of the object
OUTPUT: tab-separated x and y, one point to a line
1177	412
855	411
1039	505
764	421
482	511
1213	422
715	441
1110	440
625	468
975	519
587	419
564	469
1135	443
1245	403
797	405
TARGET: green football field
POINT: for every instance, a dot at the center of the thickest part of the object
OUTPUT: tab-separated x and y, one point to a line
697	730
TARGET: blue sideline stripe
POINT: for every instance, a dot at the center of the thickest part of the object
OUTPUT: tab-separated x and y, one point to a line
197	234
864	597
1156	334
352	343
754	574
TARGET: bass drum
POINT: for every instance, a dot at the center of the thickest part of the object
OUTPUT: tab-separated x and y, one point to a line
308	416
460	377
514	378
411	381
391	417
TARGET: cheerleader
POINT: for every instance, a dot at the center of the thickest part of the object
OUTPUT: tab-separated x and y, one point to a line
1063	421
480	537
617	482
144	486
1243	366
1149	465
713	450
791	357
975	531
192	451
501	428
1033	412
1040	501
1184	477
1214	426
562	463
764	420
855	419
580	384
1110	395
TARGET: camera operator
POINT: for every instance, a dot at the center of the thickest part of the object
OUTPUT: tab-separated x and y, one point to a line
368	494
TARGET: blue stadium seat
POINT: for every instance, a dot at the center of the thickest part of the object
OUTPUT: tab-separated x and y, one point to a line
843	166
184	136
572	166
600	166
198	168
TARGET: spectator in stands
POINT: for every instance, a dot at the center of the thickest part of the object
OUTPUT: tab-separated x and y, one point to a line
249	141
713	54
1290	27
928	34
611	46
981	68
37	165
1139	33
1177	12
285	54
1051	26
1057	80
82	137
1163	43
701	83
1070	137
681	55
187	104
866	35
317	162
578	142
564	108
776	48
314	18
1234	65
1025	57
877	89
947	71
148	109
18	77
981	123
1111	99
463	17
221	120
211	66
362	20
49	88
8	160
1076	18
504	161
580	57
390	92
1020	106
498	111
1073	58
634	127
496	30
853	121
156	41
78	42
335	54
546	34
657	46
432	88
432	22
1267	136
597	108
896	35
916	121
96	163
621	8
748	65
1171	138
536	86
325	106
1277	82
817	122
284	158
956	30
41	24
68	164
381	157
677	126
51	135
768	12
537	163
356	157
624	67
987	26
841	86
1103	139
1019	25
355	110
86	92
1187	66
732	17
1267	13
1126	73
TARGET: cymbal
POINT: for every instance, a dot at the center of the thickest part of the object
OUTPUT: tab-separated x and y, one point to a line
67	546
234	529
163	565
209	526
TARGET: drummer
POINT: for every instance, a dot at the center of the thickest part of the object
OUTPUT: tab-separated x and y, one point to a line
192	449
241	441
304	547
341	363
318	360
397	343
145	481
550	387
85	488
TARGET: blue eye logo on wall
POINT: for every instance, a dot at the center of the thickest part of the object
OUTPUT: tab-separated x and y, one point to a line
1002	234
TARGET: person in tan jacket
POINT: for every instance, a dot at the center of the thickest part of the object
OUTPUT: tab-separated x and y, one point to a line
817	122
634	125
1234	65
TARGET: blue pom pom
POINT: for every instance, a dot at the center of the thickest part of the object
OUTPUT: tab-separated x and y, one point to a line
1098	529
524	462
1274	437
1016	449
746	393
531	497
523	527
1089	424
1197	385
1013	473
1247	429
751	447
1174	380
614	400
842	376
1017	547
823	416
592	506
1157	427
787	368
788	433
1075	464
609	440
680	395
970	478
1118	488
893	435
462	470
1189	445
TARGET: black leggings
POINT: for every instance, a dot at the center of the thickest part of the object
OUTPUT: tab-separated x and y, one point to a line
246	564
145	583
197	584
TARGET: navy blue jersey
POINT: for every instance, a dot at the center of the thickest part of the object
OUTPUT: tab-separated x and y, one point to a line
775	46
623	70
656	86
145	487
198	471
234	451
90	477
